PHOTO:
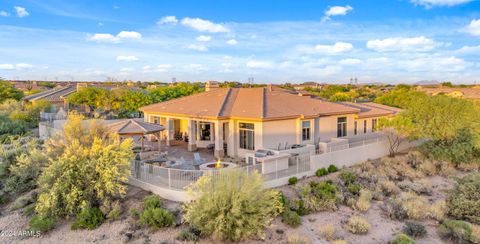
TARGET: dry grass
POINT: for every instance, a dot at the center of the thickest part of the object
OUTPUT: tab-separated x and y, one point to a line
328	232
339	242
363	202
388	187
475	233
416	207
298	239
438	210
469	167
357	225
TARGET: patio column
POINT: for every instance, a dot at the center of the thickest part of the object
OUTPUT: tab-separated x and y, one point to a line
192	135
219	152
170	131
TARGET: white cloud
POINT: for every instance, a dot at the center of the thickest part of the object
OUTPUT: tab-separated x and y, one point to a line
232	42
338	47
168	20
147	67
469	50
204	25
435	64
196	47
23	66
257	64
163	67
21	11
122	35
4	13
7	66
338	10
474	27
420	43
204	38
226	68
350	61
126	71
195	67
127	58
439	3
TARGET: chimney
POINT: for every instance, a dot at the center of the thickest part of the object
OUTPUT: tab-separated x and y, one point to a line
211	85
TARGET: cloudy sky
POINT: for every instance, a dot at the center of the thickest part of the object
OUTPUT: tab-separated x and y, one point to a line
271	40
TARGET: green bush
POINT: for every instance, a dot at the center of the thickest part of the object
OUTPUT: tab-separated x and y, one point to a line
152	201
347	177
21	202
414	229
292	181
464	200
88	218
232	207
332	168
45	224
115	212
402	239
298	205
188	234
456	230
321	172
354	188
134	213
320	196
156	218
291	218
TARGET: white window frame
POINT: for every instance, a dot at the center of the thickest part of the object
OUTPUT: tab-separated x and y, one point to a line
342	127
247	131
308	130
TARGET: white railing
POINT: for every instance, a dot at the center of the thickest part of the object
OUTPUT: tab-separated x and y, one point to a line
179	179
334	148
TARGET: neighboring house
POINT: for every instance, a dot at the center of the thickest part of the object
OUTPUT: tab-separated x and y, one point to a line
57	96
468	93
236	121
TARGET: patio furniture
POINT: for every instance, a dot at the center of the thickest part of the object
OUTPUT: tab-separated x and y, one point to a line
210	147
198	159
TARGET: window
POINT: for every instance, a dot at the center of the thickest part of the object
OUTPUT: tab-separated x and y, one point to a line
355	128
374	125
364	126
247	133
341	126
156	120
205	131
305	130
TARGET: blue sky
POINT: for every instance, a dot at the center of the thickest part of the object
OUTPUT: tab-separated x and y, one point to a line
271	40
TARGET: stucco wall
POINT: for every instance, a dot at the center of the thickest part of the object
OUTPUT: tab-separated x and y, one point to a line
328	126
279	132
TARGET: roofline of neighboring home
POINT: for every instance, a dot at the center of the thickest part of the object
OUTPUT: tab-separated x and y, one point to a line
35	97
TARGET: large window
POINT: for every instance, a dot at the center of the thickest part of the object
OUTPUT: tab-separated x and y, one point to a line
205	131
364	126
156	120
247	136
355	128
341	126
374	125
305	130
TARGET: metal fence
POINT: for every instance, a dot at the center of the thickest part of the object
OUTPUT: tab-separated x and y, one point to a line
354	144
179	179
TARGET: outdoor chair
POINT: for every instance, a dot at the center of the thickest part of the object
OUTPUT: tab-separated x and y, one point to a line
198	159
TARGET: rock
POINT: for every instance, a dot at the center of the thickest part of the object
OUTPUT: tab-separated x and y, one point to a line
311	220
279	231
127	237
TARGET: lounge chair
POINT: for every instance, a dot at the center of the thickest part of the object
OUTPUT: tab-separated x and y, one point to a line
198	159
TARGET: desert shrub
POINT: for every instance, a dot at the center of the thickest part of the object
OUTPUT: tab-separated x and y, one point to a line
88	218
188	234
29	210
292	180
438	210
419	187
298	205
21	202
402	239
456	230
347	176
357	225
321	172
298	239
475	234
414	229
332	168
37	223
388	187
363	201
320	196
428	167
155	217
463	201
354	188
416	207
328	232
339	242
394	209
25	171
134	213
232	207
291	218
152	201
115	212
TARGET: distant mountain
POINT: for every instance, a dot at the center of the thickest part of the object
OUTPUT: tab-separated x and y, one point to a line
427	82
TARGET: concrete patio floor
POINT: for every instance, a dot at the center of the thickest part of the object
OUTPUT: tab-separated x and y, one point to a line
179	149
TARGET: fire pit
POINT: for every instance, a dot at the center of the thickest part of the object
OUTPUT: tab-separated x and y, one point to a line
217	165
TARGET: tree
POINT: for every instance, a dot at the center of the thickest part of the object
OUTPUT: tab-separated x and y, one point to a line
89	166
232	206
397	130
7	91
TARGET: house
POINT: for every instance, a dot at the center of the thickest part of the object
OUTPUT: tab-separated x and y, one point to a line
460	92
56	96
236	121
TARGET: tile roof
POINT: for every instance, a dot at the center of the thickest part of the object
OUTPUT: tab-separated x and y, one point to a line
53	95
370	109
133	126
249	103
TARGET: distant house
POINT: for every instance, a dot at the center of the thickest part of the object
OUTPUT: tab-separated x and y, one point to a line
236	121
468	93
57	96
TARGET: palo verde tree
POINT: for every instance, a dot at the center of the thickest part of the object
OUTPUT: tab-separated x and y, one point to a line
7	91
88	168
397	130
